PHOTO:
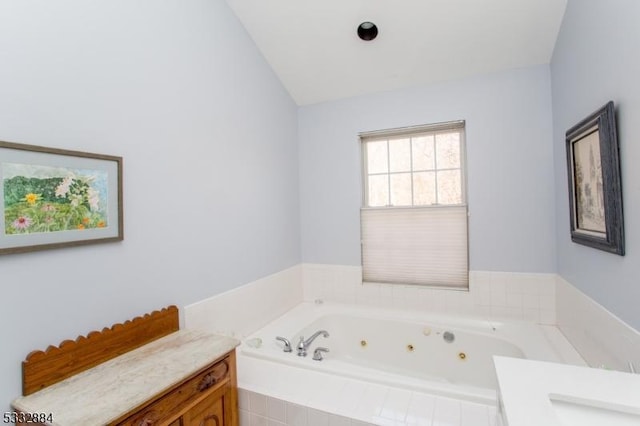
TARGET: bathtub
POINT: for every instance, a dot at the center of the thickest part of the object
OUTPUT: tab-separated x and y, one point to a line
408	350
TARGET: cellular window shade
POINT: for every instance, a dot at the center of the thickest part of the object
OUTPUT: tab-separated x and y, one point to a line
418	245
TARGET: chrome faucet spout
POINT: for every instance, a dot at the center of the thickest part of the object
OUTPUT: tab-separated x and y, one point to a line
313	337
303	344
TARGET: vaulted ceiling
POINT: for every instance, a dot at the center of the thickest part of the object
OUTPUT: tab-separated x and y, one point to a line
313	47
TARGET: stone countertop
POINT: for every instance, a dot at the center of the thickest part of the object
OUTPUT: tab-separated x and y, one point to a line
528	387
104	393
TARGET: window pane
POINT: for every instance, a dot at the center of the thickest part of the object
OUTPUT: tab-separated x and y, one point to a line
416	230
449	187
377	157
401	189
378	191
448	150
423	155
424	188
400	155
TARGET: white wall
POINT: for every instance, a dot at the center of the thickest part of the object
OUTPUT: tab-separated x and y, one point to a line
510	166
209	140
596	60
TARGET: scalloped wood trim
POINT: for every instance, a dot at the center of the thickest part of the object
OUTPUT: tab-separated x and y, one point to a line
44	368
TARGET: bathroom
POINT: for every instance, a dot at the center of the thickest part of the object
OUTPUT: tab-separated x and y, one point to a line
252	186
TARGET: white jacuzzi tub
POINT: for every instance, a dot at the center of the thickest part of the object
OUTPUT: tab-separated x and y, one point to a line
408	349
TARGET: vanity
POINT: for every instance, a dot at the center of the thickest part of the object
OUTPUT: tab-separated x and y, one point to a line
145	372
536	393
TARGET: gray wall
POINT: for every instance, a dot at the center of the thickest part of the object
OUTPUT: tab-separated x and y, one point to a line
596	59
209	140
510	166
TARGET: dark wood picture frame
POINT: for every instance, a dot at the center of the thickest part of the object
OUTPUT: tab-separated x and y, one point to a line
54	198
595	185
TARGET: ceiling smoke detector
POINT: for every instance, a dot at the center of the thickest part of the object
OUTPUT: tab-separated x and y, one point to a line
367	31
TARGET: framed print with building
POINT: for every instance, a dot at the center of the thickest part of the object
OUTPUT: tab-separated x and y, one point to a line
55	198
595	187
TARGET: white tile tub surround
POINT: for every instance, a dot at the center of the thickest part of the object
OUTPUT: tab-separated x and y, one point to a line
345	402
243	310
350	389
497	295
603	340
282	413
600	337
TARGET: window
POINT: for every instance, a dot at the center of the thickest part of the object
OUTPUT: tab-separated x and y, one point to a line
414	214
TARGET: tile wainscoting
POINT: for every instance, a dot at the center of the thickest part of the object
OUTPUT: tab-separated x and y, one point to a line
491	295
243	310
601	338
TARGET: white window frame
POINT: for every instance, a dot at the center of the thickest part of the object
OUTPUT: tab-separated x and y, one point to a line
452	219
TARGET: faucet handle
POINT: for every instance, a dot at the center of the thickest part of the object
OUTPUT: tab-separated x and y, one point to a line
317	353
302	348
287	343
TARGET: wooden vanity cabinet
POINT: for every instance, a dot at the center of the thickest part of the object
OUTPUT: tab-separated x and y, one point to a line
206	398
163	377
210	412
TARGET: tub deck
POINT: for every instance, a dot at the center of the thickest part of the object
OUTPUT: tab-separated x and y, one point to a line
374	398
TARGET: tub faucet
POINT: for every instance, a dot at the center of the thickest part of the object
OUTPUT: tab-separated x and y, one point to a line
303	345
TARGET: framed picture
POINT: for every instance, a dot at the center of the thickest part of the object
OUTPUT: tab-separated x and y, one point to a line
595	189
56	198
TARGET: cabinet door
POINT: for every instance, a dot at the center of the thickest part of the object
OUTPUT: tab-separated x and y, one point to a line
209	412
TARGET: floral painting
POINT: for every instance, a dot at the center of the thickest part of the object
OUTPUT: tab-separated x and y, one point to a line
49	199
53	198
